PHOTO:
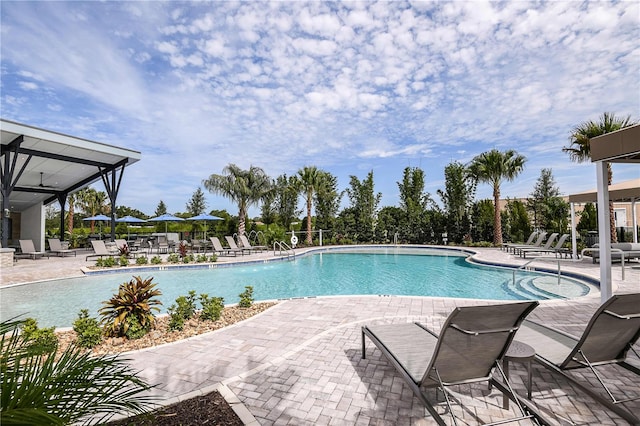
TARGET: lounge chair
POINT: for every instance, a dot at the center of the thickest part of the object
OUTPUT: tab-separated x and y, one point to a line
217	248
547	247
232	244
246	244
27	249
55	247
472	342
612	331
100	250
506	246
538	242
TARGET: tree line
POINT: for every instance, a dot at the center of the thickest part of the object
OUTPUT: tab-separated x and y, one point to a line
417	218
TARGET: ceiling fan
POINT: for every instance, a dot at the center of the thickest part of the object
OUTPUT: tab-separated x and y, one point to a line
42	185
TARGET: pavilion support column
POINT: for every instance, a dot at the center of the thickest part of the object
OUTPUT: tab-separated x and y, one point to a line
604	231
112	186
62	200
574	245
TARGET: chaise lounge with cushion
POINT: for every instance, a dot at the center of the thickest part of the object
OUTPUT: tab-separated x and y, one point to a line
629	250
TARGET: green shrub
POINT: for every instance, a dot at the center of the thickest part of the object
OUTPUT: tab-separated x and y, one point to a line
39	340
124	260
188	258
211	307
173	258
142	260
88	330
176	321
156	260
108	262
99	263
213	258
201	258
137	299
246	297
135	330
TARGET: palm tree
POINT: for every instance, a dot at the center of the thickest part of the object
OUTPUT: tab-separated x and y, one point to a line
92	202
308	181
579	148
38	387
243	187
493	167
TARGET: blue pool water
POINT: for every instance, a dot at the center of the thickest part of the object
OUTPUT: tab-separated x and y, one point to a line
386	271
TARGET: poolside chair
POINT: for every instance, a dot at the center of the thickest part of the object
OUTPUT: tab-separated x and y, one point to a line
217	248
27	249
472	342
538	242
547	247
232	244
506	246
612	331
55	246
100	250
246	244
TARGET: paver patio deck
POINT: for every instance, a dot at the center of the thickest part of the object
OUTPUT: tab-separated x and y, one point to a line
300	362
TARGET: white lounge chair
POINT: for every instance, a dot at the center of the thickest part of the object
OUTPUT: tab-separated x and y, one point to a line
246	244
100	250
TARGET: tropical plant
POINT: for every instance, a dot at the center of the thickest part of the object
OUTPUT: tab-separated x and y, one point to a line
308	181
92	202
124	260
493	167
142	260
244	187
72	388
579	148
137	299
173	258
87	329
156	260
286	200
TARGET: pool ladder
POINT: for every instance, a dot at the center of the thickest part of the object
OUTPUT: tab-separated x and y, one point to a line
280	247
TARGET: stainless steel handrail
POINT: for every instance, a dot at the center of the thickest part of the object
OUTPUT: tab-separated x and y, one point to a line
533	260
283	247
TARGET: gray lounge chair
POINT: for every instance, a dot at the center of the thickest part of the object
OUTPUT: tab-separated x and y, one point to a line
246	244
547	244
472	342
232	244
547	247
100	250
611	333
27	249
515	247
222	251
55	247
532	236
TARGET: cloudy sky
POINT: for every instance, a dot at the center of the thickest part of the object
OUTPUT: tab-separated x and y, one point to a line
349	87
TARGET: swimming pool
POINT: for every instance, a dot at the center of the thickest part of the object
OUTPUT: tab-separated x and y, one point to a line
354	271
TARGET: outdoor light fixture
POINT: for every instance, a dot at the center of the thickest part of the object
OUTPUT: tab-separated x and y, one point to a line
7	213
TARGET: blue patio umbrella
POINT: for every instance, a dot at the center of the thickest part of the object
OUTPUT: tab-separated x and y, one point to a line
166	218
99	218
205	217
130	219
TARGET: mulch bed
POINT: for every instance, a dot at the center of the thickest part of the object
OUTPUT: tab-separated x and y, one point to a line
210	409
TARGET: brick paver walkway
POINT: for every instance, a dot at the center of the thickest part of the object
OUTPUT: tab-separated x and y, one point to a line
300	363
